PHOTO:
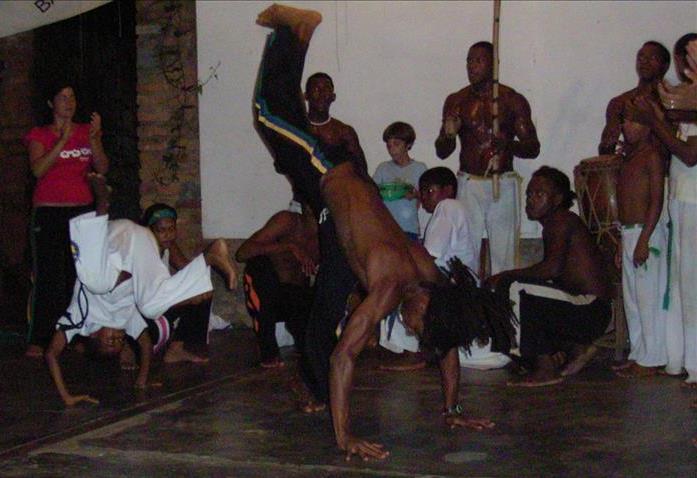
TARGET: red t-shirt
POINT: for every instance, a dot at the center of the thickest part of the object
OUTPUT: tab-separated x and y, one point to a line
65	181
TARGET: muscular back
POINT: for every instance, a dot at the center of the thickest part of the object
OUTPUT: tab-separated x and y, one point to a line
581	264
377	250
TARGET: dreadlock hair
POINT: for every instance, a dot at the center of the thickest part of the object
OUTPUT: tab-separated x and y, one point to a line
561	183
460	313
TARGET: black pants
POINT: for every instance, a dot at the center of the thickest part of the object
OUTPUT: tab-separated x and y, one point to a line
182	323
282	122
53	269
548	325
270	301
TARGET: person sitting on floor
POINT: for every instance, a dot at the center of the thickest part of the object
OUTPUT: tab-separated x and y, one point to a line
564	300
120	276
281	258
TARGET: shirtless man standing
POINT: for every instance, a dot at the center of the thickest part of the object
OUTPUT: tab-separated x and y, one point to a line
642	255
358	227
319	94
467	114
564	299
652	63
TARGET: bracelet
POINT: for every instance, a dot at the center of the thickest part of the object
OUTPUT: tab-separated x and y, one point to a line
456	409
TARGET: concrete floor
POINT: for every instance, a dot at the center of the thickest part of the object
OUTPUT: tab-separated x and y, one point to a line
231	418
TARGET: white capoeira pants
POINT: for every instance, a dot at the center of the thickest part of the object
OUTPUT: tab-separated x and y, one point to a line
682	311
500	219
102	249
643	288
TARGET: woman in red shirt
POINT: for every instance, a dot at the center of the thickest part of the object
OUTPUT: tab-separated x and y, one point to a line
60	154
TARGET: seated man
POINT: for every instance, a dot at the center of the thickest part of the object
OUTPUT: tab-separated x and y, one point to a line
121	276
565	298
280	258
360	240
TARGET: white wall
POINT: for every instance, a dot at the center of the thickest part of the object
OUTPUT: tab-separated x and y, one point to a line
398	61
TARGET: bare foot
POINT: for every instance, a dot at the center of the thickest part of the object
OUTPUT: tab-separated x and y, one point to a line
275	362
177	353
637	371
34	351
301	22
686	384
218	256
545	373
409	361
536	380
580	358
622	365
101	191
127	358
305	401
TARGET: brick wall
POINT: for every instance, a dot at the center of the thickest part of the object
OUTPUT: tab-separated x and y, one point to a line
16	53
168	112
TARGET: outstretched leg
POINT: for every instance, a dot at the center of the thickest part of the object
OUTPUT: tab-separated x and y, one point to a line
278	100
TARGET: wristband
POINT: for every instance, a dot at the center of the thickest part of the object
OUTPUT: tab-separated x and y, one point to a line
456	409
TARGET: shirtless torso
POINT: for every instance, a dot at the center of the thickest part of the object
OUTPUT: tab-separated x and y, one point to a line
472	107
290	241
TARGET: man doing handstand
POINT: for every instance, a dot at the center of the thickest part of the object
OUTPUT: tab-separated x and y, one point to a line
356	226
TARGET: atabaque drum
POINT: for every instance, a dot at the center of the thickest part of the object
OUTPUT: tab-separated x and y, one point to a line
595	180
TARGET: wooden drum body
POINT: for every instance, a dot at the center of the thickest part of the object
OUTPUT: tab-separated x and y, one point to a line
595	180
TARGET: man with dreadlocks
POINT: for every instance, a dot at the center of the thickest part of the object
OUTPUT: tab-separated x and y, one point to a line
359	241
563	300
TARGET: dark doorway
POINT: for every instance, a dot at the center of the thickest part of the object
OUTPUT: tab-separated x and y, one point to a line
95	51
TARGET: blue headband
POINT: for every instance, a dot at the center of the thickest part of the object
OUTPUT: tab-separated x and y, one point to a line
162	214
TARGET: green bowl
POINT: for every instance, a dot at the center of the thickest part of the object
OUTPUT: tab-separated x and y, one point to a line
393	191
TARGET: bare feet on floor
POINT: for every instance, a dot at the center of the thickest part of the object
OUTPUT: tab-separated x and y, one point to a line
177	353
622	365
34	351
405	362
580	357
686	384
304	399
544	373
301	22
637	371
101	191
218	256
275	362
